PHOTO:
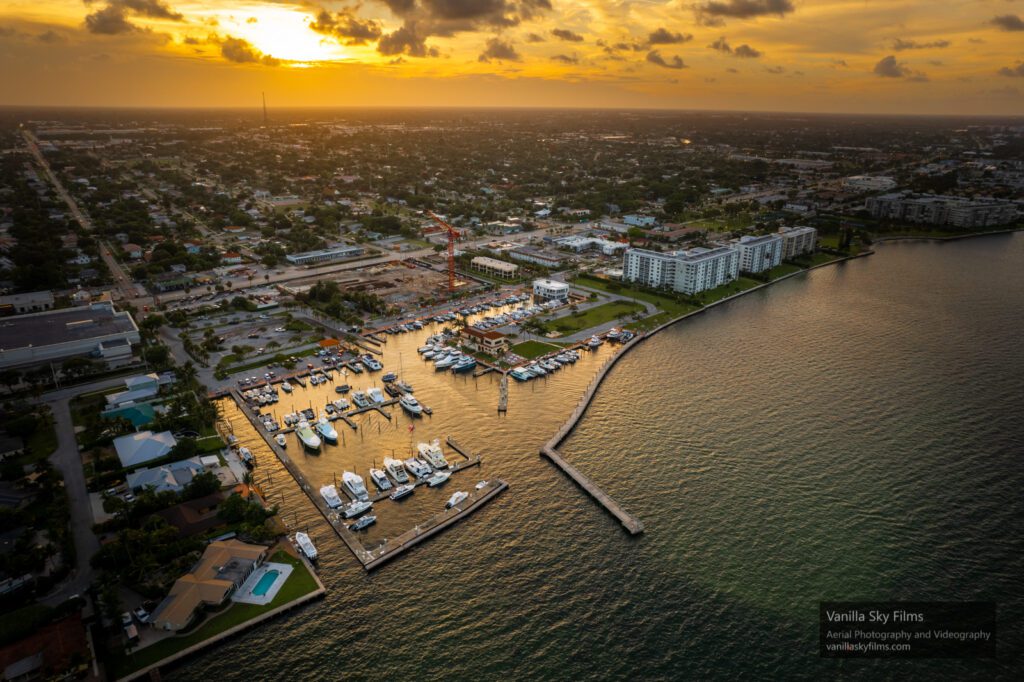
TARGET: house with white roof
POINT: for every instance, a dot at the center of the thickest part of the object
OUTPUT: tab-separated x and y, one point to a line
144	446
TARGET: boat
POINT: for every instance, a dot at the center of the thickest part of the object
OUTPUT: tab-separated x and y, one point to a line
340	405
438	478
375	395
281	440
423	349
402	491
380	479
344	388
521	374
360	399
447	361
355	485
246	455
327	430
286	387
371	363
363	522
433	454
392	390
417	467
404	386
594	342
455	499
464	365
481	485
306	435
410	405
331	496
356	508
355	368
306	546
395	468
390	376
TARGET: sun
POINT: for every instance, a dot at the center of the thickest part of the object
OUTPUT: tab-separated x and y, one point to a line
280	31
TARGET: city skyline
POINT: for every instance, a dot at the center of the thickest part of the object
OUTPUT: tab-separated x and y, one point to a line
767	55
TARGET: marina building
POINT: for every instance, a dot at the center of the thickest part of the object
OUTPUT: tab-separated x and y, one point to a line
688	272
797	241
758	254
324	255
96	330
550	290
936	209
489	341
494	267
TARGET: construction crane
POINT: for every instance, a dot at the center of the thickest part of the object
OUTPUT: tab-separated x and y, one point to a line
453	234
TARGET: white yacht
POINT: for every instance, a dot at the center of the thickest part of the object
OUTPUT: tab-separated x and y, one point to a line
395	468
286	387
433	454
380	479
340	405
281	440
448	360
246	455
410	405
306	546
438	478
327	430
331	496
356	508
455	499
402	490
306	435
360	399
481	485
363	522
375	395
594	341
418	467
355	485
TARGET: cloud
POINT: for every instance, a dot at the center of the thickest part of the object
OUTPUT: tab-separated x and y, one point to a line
51	37
347	27
674	62
744	51
888	67
899	45
242	52
976	41
1012	71
775	69
112	18
663	36
744	9
499	51
406	40
839	63
534	38
721	45
1008	22
566	59
566	34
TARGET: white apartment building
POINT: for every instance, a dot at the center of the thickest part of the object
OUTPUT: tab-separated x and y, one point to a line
942	210
688	272
758	254
797	241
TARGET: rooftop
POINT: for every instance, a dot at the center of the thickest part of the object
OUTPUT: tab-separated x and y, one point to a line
61	326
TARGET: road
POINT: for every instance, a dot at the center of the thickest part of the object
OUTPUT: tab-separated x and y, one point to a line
67	460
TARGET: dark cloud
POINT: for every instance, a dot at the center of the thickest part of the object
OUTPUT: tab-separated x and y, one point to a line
888	67
732	70
534	38
745	51
742	9
840	62
976	41
721	45
1012	71
775	69
665	37
189	40
347	27
566	59
499	51
1008	22
109	21
242	52
51	37
566	34
406	40
674	62
148	8
899	45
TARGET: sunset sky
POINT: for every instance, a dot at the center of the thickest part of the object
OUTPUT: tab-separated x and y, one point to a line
907	56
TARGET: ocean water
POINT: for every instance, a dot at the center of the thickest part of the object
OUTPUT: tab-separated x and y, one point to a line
852	433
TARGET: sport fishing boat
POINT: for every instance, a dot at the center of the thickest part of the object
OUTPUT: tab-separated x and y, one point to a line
363	522
395	468
402	491
327	430
375	395
411	405
360	399
340	405
433	454
417	467
355	485
286	387
438	478
306	546
455	499
380	479
465	364
331	496
356	508
306	435
390	376
403	386
594	342
344	388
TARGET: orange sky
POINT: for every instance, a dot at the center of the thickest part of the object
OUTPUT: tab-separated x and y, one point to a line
908	56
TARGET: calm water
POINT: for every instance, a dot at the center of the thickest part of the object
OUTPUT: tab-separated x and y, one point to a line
853	433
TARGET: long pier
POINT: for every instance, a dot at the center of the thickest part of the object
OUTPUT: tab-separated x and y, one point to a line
631	523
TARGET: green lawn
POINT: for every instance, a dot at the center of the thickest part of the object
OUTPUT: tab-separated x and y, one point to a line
782	270
726	290
210	444
533	349
606	312
299	583
665	303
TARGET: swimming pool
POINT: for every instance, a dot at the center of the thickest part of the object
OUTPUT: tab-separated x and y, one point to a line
266	580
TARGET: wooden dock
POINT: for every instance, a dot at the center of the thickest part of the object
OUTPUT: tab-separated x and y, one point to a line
630	522
503	394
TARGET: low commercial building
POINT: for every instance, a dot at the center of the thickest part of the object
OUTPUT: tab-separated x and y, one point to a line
492	342
494	267
758	254
19	304
222	569
688	272
97	330
324	255
144	446
528	255
550	290
580	244
797	241
933	209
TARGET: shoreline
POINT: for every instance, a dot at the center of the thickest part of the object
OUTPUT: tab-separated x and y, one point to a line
949	238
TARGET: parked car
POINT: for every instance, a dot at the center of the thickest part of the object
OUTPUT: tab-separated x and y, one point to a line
142	614
126	619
